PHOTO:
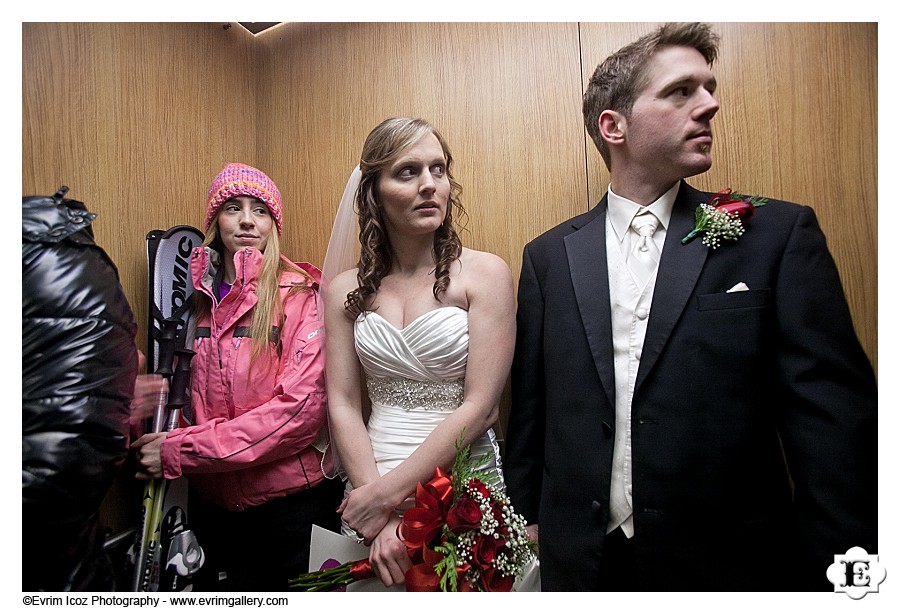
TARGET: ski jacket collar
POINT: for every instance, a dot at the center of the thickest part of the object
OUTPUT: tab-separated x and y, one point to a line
207	262
206	265
247	262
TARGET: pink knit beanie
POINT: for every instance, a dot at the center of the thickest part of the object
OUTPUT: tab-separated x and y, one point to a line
242	180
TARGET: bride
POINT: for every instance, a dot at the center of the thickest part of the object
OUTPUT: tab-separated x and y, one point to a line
425	324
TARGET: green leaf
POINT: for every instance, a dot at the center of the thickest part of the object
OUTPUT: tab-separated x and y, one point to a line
446	567
756	201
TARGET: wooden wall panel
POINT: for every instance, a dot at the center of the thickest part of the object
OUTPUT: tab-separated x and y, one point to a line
798	121
136	119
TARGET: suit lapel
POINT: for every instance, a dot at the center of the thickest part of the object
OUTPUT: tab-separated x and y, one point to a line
586	253
679	269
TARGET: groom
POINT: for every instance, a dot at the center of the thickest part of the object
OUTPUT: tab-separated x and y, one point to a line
684	416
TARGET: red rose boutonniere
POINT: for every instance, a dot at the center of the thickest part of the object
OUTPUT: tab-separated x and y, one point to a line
723	218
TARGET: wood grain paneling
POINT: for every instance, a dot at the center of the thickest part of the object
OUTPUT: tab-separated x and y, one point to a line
136	119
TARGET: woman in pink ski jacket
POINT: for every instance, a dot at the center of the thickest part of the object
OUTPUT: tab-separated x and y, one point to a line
256	455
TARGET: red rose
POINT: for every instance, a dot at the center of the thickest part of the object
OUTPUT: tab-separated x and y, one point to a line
743	208
493	580
732	203
485	549
465	515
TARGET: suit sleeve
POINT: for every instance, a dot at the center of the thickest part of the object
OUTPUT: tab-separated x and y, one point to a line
288	423
525	432
828	422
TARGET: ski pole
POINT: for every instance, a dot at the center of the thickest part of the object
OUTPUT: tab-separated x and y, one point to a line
147	504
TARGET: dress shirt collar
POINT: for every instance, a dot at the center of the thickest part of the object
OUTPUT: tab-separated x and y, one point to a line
621	210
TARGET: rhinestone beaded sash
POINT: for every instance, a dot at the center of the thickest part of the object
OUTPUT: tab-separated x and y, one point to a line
414	394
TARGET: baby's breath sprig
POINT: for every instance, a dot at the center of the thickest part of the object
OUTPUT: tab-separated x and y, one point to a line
717	226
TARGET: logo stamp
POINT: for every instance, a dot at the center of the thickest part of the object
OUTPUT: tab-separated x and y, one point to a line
856	573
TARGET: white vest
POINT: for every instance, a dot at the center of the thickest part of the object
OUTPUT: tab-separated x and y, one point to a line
630	312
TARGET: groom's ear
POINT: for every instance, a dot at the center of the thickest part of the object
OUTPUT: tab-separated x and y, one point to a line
612	127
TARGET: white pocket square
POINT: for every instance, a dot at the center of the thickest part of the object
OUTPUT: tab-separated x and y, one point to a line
739	287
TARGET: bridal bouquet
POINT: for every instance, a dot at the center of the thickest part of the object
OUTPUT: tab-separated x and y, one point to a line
466	533
462	534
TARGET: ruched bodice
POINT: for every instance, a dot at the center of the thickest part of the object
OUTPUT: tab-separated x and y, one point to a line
416	377
433	347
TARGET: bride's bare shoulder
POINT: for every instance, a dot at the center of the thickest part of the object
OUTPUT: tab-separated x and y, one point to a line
342	284
483	263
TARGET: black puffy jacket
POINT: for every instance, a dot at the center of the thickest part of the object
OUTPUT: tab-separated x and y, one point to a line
79	363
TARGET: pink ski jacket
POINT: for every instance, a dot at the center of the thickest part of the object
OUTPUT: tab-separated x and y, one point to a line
257	434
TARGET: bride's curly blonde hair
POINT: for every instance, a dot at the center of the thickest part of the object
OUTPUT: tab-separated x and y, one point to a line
382	147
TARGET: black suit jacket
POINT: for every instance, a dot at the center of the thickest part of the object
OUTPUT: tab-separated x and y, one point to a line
753	417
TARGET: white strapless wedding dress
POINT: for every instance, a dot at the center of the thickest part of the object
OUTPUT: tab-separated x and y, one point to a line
415	378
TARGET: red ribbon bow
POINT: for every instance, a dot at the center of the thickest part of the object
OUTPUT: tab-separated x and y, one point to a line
424	523
422	527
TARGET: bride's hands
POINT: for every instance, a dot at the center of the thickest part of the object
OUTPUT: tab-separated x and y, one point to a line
388	555
366	511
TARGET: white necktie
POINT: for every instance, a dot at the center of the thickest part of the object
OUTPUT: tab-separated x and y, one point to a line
644	255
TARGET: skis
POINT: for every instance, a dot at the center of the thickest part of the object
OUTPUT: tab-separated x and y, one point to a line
166	553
